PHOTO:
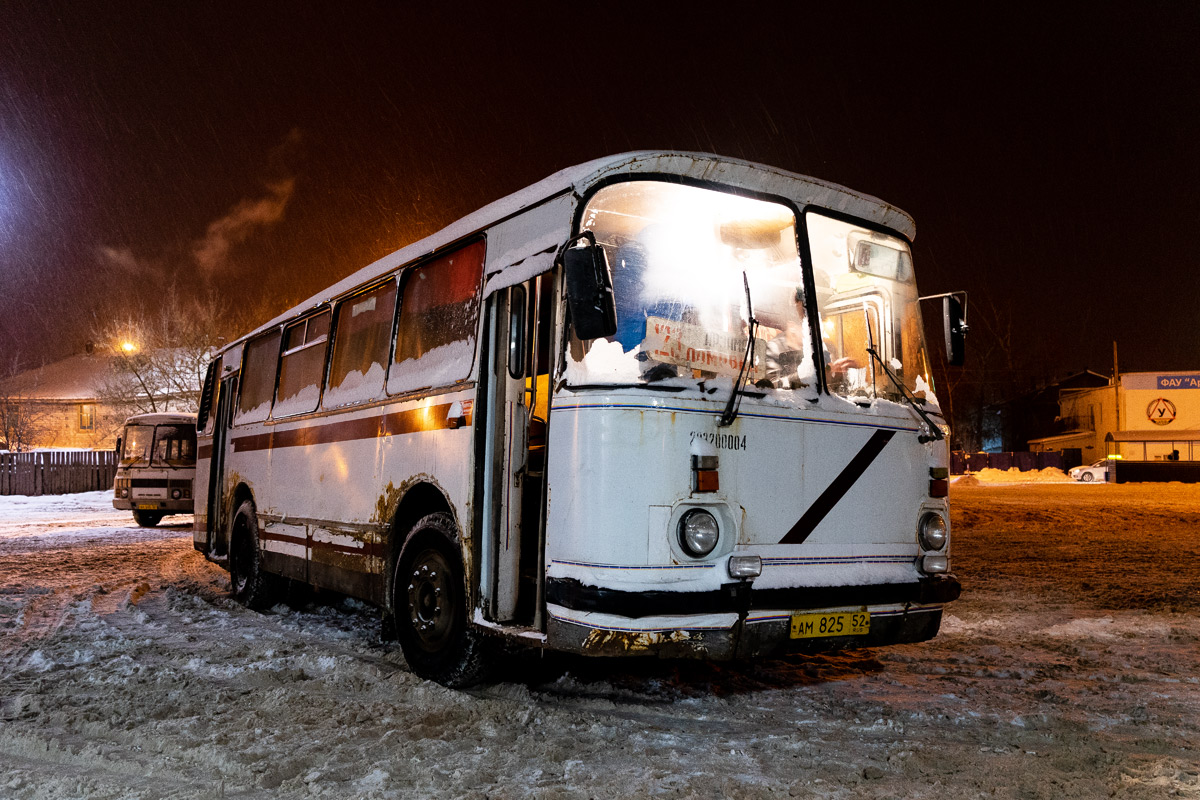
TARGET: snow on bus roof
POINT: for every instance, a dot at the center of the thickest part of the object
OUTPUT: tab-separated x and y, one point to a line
704	167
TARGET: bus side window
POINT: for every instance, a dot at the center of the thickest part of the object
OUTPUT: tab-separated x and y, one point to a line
360	346
516	332
258	379
439	314
208	397
302	365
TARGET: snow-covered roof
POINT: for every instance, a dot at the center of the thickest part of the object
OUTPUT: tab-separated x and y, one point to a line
703	167
71	379
161	419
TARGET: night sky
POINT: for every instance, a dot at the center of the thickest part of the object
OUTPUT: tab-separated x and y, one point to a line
1050	158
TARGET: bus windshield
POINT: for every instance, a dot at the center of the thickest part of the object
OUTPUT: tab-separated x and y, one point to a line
678	255
136	448
159	446
681	257
867	299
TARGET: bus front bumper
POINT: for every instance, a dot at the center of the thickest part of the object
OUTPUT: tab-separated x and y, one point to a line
157	505
740	623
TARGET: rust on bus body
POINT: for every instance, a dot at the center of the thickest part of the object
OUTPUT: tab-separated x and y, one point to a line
389	499
617	643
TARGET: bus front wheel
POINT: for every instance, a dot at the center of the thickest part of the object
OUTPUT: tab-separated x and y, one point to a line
251	586
147	519
430	607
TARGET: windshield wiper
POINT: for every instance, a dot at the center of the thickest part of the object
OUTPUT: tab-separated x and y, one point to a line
735	398
935	432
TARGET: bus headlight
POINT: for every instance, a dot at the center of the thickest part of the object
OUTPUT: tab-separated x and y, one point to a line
932	531
698	533
176	494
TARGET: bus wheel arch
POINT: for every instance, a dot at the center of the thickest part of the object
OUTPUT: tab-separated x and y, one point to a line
417	501
249	583
430	607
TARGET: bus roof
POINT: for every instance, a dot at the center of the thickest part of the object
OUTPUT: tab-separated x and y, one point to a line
168	418
701	167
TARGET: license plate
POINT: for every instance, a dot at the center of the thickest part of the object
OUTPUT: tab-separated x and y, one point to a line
147	506
841	623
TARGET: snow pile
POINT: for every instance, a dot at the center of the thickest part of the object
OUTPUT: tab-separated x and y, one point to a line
985	476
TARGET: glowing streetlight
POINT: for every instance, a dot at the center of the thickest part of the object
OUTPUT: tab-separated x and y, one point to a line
128	347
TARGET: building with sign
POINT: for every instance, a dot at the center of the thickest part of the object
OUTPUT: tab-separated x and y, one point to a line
1149	418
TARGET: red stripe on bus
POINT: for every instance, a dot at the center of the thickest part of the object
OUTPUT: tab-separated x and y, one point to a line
204	451
368	548
431	418
282	537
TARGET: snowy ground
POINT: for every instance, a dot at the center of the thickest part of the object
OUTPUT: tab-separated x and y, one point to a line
1069	669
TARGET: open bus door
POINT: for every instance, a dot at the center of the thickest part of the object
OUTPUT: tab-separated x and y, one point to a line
222	417
514	469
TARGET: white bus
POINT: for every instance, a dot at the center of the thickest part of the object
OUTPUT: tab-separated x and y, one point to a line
156	466
659	403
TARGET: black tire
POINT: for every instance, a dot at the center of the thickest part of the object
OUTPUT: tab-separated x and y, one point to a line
250	586
430	607
1086	477
147	519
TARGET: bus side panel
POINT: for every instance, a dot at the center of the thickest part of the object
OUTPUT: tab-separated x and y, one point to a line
440	454
332	485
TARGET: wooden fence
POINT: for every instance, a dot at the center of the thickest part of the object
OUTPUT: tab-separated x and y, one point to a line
57	471
961	462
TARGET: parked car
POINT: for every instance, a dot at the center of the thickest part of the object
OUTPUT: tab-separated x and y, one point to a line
1092	472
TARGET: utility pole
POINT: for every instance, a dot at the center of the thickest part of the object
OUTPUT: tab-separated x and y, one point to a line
1116	387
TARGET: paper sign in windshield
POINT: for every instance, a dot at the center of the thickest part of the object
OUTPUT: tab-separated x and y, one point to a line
697	347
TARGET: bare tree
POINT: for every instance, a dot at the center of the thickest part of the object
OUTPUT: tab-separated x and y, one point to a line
23	420
991	374
160	353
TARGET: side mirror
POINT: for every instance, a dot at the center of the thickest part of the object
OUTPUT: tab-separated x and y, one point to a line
954	327
117	449
589	288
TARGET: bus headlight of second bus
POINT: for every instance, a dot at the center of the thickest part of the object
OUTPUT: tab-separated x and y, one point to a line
698	532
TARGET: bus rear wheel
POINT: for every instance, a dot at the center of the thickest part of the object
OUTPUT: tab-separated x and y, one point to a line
251	586
147	519
430	606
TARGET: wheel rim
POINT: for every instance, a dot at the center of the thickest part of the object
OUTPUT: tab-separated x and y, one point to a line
431	600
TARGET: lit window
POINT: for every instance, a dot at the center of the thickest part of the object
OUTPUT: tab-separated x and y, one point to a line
439	312
87	417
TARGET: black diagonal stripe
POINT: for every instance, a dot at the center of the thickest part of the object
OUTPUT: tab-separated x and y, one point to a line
837	490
